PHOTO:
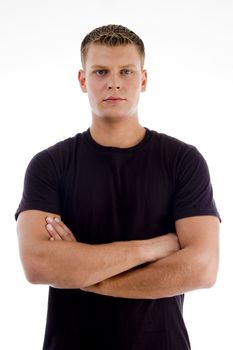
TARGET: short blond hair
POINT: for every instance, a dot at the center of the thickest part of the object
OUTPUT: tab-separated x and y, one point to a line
112	35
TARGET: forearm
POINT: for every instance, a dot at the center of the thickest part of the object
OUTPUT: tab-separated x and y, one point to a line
54	257
65	264
178	273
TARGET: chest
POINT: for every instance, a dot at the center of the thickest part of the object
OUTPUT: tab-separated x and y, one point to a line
117	198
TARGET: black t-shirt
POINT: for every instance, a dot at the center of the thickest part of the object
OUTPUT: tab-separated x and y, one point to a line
105	194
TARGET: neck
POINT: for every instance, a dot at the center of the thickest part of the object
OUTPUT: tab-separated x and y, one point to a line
121	134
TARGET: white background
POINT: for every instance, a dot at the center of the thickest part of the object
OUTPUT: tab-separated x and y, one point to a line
189	55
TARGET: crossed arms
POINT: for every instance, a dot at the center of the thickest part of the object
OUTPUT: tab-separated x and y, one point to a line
152	268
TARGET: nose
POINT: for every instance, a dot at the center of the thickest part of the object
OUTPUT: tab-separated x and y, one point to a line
110	87
113	83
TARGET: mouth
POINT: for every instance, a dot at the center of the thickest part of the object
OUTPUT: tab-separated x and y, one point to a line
113	99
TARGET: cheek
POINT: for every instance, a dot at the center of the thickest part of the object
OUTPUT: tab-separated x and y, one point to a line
92	91
134	88
95	88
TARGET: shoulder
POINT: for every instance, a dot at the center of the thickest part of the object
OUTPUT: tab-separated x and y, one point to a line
65	147
57	157
168	142
59	154
175	151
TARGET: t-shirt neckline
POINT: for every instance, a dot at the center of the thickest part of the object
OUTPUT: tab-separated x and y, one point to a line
100	147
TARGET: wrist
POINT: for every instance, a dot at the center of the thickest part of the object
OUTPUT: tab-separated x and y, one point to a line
147	251
158	247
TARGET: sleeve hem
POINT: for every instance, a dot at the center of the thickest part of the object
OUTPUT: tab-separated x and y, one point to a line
185	214
37	207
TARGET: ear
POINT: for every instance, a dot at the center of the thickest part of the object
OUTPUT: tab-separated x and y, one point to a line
82	80
144	80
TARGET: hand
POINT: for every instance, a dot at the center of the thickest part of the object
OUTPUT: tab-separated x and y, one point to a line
58	231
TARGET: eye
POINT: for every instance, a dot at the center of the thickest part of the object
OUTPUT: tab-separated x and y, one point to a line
100	72
126	71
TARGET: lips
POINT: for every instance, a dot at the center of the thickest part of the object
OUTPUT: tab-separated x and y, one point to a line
114	98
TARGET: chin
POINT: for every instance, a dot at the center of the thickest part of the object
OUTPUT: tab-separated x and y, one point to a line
111	115
114	117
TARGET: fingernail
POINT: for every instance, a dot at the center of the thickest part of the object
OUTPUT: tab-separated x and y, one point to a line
49	227
57	219
49	219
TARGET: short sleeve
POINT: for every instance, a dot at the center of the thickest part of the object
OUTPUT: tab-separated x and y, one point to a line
41	185
193	190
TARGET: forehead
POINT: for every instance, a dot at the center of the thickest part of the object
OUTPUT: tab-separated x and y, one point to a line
103	55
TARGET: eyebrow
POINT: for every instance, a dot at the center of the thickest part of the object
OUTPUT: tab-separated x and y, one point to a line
99	66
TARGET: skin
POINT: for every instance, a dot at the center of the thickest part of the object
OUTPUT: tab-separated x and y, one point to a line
194	266
114	71
175	263
65	263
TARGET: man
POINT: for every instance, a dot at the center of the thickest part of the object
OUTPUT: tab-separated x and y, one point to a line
119	220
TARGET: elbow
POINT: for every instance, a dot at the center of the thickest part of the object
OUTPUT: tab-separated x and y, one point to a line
209	280
36	264
32	270
32	277
208	272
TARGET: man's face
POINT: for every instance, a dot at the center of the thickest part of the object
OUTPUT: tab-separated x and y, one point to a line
113	78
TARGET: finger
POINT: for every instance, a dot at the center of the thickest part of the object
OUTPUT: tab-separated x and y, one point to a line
67	234
53	233
59	229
